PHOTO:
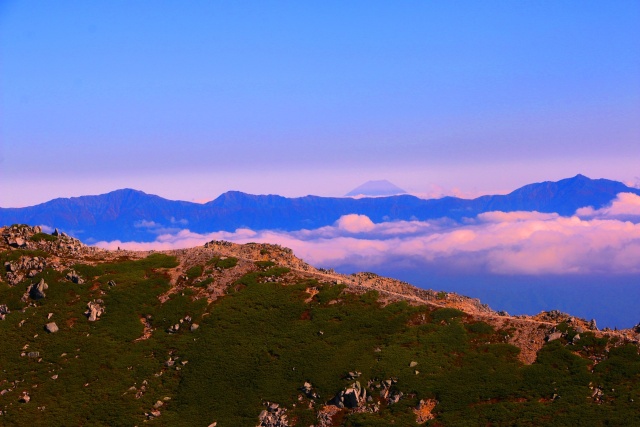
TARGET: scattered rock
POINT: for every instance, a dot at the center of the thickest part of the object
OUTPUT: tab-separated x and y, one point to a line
592	325
74	277
17	242
554	336
353	375
36	290
326	414
194	326
597	394
394	397
24	398
4	310
154	413
273	416
94	310
25	266
353	396
388	392
51	327
413	364
111	283
307	389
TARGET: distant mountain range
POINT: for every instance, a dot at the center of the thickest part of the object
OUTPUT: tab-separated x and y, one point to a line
131	215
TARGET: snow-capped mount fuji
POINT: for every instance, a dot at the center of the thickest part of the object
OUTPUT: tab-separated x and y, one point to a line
381	188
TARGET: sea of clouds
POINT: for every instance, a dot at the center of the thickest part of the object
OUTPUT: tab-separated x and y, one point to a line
603	241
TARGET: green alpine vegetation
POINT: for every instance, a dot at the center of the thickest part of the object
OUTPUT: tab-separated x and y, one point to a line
261	343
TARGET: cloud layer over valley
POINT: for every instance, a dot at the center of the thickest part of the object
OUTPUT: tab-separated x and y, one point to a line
604	241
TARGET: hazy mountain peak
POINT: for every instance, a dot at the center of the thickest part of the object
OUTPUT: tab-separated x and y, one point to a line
376	188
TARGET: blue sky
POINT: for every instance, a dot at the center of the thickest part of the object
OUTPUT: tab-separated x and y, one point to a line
190	99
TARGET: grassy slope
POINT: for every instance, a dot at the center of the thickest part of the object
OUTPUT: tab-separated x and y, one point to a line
263	341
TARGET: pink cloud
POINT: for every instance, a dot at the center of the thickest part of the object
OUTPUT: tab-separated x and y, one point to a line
355	223
495	242
624	205
635	183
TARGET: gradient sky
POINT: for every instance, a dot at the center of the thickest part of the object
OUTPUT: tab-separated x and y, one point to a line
191	99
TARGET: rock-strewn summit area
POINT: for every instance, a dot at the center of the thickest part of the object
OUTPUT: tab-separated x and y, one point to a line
232	335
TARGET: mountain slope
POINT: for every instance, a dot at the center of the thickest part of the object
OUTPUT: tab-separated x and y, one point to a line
133	215
562	197
245	335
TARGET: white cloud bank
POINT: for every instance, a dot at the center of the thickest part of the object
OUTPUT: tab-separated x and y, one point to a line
603	241
625	206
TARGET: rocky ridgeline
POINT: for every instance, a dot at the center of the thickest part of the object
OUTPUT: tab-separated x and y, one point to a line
19	236
64	246
66	251
63	250
393	290
27	237
390	289
260	252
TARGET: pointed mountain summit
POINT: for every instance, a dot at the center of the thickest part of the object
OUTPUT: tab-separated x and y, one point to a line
376	189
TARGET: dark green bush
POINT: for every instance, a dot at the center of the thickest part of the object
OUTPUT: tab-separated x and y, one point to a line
265	264
479	328
43	236
205	282
223	263
195	271
445	314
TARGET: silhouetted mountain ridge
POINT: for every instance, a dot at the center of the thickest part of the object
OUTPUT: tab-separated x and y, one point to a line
129	214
